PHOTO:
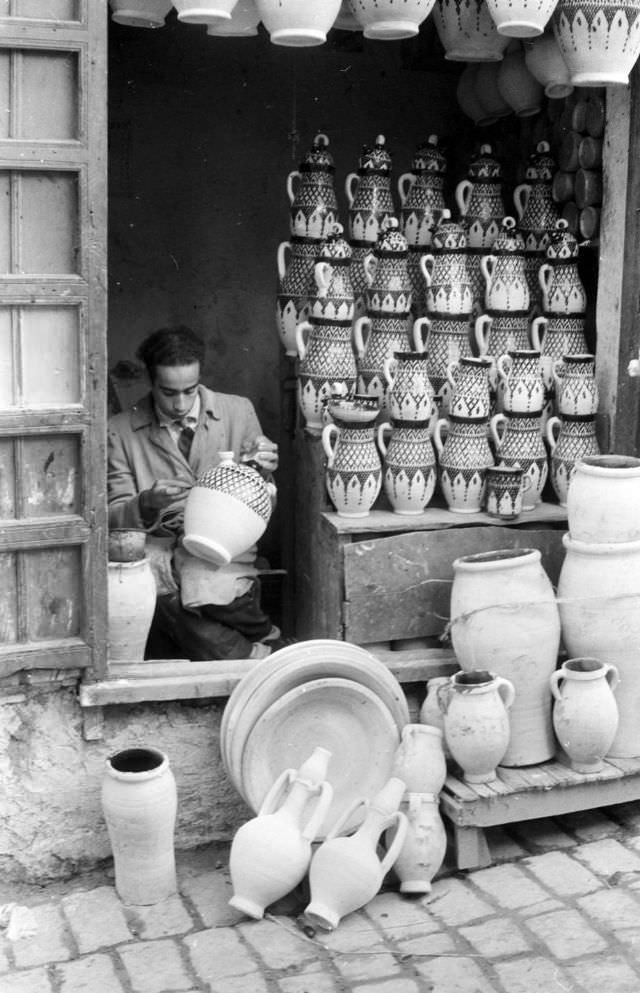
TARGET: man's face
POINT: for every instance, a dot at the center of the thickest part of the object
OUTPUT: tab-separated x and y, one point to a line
174	389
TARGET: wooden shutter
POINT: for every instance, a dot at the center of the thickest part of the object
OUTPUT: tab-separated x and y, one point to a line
53	142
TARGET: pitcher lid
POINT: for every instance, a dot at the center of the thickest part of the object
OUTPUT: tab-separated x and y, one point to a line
509	239
391	240
335	246
485	165
428	157
448	234
376	159
541	165
563	244
318	158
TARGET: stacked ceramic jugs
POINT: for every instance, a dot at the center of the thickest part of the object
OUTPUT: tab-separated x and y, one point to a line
312	215
537	215
370	199
599	583
386	327
480	201
571	432
324	341
422	200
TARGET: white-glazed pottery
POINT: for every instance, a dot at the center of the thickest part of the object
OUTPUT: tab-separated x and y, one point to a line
585	712
410	393
313	205
354	469
475	705
131	600
408	465
369	193
520	385
505	487
419	760
599	41
421	193
518	441
521	18
204	11
243	24
504	273
463	458
387	20
140	13
576	387
603	500
504	617
467	31
480	200
298	23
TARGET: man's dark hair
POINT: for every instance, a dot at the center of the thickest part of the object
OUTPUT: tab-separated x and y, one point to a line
171	346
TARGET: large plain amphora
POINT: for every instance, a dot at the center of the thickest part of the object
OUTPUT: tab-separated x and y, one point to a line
505	619
139	803
599	603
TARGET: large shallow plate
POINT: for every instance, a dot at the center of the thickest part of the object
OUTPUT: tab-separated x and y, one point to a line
348	719
292	666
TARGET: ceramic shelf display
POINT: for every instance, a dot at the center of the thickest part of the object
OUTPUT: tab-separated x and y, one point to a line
270	854
370	198
313	204
354	468
388	311
505	619
537	215
346	872
467	31
422	201
480	201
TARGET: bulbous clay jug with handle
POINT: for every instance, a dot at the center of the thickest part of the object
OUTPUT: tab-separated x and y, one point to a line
334	298
475	705
518	441
585	712
408	465
537	213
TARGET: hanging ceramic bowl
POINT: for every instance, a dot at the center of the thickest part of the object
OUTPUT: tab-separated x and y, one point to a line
599	41
243	24
140	13
467	31
521	18
298	23
346	19
544	61
387	20
204	11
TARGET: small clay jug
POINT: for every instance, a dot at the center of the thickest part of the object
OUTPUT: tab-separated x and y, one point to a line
270	854
475	705
346	873
585	712
419	759
425	844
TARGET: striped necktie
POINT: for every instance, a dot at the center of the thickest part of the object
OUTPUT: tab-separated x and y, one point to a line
185	439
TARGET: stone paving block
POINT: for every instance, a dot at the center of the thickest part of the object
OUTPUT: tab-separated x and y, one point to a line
589	825
630	936
542	832
496	938
610	973
96	918
320	980
427	945
4	961
355	932
563	874
608	856
218	954
238	984
509	886
457	974
403	985
378	963
566	934
51	942
210	893
400	916
32	981
88	975
160	920
153	967
534	975
454	902
541	908
614	908
279	945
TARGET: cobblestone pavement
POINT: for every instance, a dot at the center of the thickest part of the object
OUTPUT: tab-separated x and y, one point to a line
557	912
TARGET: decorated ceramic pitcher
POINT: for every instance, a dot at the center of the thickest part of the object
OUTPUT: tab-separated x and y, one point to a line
480	200
389	288
354	468
562	288
469	381
537	214
421	193
377	340
576	386
475	705
520	385
326	357
312	198
504	273
333	298
410	393
518	441
445	339
369	193
463	457
445	271
408	466
570	440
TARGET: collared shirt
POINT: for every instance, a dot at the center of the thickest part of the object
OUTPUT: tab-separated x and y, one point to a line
190	420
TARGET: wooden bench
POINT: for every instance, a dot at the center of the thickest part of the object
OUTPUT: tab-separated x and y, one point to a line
546	790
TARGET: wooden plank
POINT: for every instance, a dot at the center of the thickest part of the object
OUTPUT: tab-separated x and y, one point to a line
59	654
400	586
436	517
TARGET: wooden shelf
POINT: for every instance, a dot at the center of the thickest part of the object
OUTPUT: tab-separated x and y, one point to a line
436	517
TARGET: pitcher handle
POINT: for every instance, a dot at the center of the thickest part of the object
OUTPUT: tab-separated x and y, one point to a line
276	791
487	266
420	342
358	339
282	262
426	267
611	671
405	182
329	442
322	806
399	839
497	423
441	423
322	275
504	363
463	195
300	342
361	801
482	329
554	683
538	330
291	193
443	696
369	264
550	432
544	279
349	187
388	371
382	444
521	198
506	691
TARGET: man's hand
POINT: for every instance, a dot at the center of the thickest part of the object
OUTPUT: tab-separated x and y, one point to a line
162	494
265	455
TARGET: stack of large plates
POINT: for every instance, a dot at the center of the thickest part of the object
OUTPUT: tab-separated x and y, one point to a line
314	693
